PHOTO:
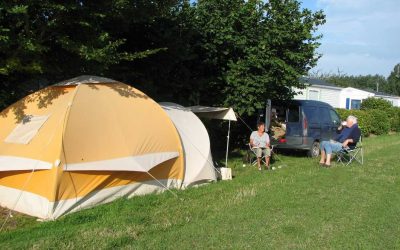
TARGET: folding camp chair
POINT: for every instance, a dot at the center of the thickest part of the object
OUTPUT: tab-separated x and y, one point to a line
252	156
348	155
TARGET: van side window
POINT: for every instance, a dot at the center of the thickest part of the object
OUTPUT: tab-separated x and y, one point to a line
294	115
311	114
325	115
334	117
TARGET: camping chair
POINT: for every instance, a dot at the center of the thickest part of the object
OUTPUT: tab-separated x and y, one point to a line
252	156
348	155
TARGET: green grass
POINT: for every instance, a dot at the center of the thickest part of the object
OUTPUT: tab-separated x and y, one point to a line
299	206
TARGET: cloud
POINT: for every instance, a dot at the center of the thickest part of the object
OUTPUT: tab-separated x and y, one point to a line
360	36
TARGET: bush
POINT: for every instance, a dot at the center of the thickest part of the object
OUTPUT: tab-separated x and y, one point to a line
344	113
395	119
371	121
364	121
384	107
380	121
376	103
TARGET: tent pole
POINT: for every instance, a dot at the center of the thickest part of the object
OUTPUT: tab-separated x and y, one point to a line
227	144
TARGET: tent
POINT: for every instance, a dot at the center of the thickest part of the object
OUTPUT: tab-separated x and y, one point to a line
83	142
199	167
220	114
214	112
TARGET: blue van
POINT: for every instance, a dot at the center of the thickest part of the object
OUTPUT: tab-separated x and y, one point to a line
300	124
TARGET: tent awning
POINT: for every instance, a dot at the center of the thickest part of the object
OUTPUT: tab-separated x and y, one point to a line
214	112
14	163
140	163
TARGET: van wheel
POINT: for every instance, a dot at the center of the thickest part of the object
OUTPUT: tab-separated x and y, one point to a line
314	151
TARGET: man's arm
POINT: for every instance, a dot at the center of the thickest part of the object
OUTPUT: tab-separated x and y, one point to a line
353	136
346	142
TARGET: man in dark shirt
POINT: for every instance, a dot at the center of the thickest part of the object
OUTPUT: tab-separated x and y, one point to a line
348	137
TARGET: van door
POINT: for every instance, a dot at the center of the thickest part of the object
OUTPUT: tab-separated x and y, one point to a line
294	128
313	121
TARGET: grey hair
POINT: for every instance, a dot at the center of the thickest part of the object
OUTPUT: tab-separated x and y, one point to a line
353	118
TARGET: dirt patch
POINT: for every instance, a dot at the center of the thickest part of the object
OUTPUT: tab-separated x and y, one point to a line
4	212
15	221
11	223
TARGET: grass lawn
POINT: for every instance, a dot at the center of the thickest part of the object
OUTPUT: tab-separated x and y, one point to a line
298	206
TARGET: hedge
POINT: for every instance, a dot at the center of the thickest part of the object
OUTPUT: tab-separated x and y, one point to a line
395	119
373	121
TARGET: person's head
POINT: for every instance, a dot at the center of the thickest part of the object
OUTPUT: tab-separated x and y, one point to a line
351	120
260	126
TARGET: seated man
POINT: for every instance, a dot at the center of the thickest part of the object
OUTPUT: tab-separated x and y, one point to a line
259	141
348	137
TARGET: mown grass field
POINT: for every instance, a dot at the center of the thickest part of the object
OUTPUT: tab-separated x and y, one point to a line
300	206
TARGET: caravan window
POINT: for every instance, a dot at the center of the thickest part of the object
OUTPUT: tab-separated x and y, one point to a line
355	104
313	95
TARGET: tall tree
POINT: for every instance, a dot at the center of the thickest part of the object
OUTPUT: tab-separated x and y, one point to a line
171	73
223	52
394	81
366	82
254	50
45	41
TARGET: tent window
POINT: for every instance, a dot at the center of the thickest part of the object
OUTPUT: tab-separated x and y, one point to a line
27	129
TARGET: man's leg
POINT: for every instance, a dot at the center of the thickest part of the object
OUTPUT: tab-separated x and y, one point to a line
333	147
323	154
328	159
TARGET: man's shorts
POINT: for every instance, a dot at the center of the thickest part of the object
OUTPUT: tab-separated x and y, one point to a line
262	151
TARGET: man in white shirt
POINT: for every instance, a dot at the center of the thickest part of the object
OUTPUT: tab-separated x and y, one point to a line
259	141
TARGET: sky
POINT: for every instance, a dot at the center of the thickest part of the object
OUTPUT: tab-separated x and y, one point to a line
360	37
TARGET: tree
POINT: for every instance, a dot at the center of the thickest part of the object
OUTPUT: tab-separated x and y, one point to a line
254	50
216	52
367	82
172	74
42	42
394	81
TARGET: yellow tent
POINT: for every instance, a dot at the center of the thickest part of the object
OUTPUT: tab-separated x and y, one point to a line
84	142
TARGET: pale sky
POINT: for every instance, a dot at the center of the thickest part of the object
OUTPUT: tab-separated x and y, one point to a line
360	36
